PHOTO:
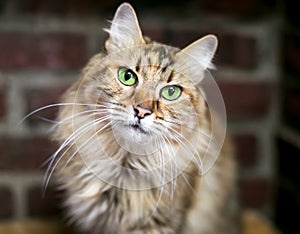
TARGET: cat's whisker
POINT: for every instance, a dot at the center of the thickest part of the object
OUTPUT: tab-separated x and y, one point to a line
197	130
177	168
173	159
70	141
78	116
94	113
188	146
182	174
53	158
84	113
211	145
77	133
85	142
56	105
66	120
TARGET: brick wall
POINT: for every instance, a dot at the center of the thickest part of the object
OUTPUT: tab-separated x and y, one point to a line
44	44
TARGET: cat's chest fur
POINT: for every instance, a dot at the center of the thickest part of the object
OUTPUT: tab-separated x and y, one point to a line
105	208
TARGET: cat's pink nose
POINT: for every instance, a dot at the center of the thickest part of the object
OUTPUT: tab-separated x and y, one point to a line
141	111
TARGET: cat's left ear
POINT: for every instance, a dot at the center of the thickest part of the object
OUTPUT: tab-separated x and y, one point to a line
125	30
196	58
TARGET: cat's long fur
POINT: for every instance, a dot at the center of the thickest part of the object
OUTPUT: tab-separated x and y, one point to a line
123	177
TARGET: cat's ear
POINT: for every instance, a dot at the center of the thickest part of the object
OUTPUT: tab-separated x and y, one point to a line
196	58
125	30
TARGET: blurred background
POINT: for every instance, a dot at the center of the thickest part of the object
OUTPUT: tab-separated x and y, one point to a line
44	45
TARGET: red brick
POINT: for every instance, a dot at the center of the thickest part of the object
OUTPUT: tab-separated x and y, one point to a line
48	205
7	153
6	203
32	50
40	97
246	100
255	192
234	50
86	7
246	149
34	152
25	154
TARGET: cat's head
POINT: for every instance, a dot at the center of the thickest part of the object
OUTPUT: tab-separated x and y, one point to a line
149	89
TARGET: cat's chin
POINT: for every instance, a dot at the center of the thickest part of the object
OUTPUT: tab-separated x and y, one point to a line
136	134
135	139
136	128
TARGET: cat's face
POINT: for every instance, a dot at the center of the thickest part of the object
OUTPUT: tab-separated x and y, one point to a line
149	89
146	93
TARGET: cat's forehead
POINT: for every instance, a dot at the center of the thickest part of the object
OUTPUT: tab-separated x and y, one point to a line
153	61
153	54
156	54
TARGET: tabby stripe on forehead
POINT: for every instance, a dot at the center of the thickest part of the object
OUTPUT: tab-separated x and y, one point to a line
164	69
171	76
138	65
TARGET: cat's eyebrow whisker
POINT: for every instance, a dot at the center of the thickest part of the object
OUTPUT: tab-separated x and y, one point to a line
84	128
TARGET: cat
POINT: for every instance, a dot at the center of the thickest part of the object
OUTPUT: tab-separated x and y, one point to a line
138	148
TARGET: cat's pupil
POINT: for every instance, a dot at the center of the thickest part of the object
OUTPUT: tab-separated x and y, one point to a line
128	75
171	91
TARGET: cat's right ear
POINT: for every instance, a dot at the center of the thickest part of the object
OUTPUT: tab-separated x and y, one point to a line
125	30
194	59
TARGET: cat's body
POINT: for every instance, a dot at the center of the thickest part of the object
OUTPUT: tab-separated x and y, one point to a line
133	131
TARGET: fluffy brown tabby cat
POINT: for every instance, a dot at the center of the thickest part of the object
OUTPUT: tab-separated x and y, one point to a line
134	133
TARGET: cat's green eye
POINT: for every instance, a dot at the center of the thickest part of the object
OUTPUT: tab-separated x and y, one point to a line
127	77
171	92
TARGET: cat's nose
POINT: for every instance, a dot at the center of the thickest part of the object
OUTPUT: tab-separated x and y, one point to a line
142	111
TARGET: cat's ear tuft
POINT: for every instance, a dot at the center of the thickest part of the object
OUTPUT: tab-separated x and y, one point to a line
125	30
197	57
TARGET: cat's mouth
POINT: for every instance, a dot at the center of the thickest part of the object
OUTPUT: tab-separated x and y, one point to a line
138	128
